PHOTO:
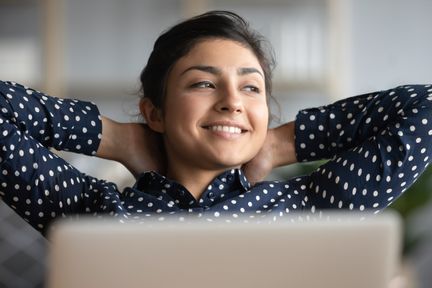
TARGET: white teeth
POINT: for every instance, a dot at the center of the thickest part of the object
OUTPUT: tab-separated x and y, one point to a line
227	129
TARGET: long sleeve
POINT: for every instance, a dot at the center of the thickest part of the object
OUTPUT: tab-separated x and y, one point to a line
53	122
379	143
35	182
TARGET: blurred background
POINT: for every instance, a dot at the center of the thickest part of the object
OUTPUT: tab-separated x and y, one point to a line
325	49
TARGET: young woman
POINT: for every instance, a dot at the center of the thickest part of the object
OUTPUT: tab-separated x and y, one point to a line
206	145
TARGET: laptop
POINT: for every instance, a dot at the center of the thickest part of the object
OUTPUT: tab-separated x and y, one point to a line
337	250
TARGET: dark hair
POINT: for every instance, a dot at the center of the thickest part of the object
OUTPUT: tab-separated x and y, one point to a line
177	41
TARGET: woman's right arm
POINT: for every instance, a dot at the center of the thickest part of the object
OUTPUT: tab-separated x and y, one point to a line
35	182
134	145
53	122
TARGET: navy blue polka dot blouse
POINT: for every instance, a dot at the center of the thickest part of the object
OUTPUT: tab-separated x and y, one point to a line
378	145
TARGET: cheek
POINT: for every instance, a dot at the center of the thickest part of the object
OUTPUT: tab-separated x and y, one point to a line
260	115
183	112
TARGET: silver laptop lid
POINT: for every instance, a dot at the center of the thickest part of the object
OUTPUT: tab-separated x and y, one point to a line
339	251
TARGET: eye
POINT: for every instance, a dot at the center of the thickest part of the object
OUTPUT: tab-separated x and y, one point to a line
203	85
251	88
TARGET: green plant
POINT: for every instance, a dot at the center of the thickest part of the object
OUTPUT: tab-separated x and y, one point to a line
416	197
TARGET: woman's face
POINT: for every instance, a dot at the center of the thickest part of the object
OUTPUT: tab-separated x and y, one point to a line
215	114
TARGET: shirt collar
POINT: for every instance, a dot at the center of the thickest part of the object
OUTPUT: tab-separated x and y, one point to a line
158	185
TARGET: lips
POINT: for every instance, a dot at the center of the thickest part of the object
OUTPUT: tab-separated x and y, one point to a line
226	127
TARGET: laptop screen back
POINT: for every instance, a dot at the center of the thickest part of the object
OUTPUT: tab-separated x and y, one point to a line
340	252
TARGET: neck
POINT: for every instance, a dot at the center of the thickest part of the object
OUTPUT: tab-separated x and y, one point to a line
196	180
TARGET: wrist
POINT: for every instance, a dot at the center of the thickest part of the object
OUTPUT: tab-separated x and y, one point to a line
283	144
113	133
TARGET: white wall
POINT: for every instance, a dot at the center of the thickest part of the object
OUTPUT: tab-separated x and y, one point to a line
391	43
109	41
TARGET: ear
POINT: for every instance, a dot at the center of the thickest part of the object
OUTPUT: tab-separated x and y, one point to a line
152	115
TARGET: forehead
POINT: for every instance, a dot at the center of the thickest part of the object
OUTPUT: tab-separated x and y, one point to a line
220	53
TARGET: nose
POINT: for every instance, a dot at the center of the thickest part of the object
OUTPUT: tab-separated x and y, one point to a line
229	101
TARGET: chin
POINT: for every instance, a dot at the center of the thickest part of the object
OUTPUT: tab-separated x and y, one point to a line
231	163
229	159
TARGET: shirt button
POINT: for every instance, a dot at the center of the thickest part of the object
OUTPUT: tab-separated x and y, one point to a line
230	177
210	195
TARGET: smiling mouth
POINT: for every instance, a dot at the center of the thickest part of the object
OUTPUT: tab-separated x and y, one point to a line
225	129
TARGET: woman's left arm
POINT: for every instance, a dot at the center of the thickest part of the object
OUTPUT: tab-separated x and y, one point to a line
278	150
379	144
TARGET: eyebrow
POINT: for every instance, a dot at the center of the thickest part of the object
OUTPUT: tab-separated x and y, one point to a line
216	71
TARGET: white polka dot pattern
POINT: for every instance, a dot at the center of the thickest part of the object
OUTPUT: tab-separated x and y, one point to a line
378	143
